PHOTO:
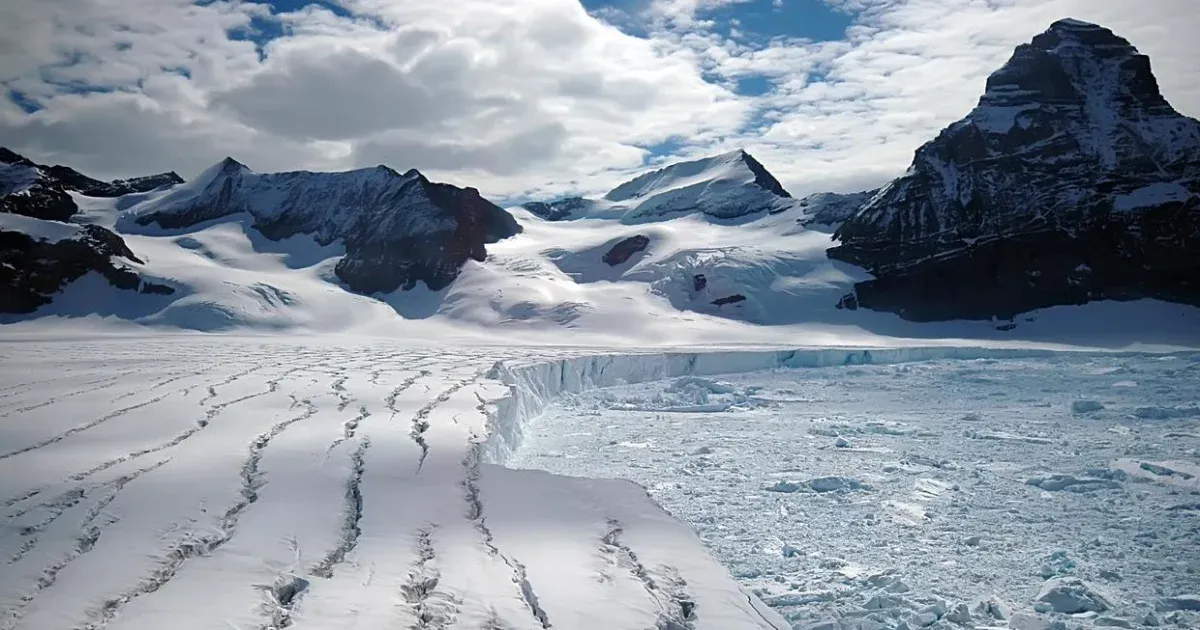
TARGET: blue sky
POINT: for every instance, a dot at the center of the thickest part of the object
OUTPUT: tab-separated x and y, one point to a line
760	19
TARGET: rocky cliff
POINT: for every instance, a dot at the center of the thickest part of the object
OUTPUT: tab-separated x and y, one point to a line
1072	180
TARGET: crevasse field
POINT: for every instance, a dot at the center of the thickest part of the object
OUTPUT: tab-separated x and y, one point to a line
194	482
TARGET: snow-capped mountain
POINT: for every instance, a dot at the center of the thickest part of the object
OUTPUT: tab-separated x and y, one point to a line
397	229
43	192
729	186
42	250
1072	180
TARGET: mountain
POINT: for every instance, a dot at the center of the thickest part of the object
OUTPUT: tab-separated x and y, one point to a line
397	229
41	251
1072	180
729	186
39	257
43	192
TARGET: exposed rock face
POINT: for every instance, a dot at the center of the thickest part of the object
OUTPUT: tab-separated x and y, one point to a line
1072	180
730	186
624	250
729	299
42	192
397	229
832	208
557	210
33	269
40	252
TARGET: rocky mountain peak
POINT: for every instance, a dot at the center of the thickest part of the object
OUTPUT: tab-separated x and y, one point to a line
729	186
1074	63
762	177
1073	179
8	156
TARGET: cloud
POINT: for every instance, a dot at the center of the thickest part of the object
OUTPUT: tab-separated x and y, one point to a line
521	97
849	114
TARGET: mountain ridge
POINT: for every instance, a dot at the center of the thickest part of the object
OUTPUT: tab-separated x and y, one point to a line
399	229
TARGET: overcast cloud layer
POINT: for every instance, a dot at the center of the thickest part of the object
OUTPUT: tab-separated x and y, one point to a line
520	98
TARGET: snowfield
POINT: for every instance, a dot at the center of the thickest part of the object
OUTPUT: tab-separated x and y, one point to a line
1035	492
217	482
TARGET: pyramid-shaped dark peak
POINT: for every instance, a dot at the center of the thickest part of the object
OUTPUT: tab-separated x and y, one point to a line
229	163
762	177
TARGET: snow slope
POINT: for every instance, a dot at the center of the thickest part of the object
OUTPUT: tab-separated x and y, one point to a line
551	277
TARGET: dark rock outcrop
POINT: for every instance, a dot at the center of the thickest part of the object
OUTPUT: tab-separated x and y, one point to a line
397	229
42	192
625	249
1073	180
832	208
557	210
32	270
729	299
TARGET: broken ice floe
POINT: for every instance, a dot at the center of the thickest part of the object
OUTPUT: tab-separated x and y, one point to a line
688	394
1071	483
1072	595
818	485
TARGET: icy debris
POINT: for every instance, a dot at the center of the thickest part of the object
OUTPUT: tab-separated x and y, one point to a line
1179	602
820	485
1081	407
1026	621
703	450
1166	413
834	484
993	608
1001	436
922	460
1070	483
961	615
1163	471
1072	595
784	486
689	395
1057	564
889	581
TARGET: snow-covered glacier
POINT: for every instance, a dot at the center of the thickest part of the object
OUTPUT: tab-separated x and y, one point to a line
332	483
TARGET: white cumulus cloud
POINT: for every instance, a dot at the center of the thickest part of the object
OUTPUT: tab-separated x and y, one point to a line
521	97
